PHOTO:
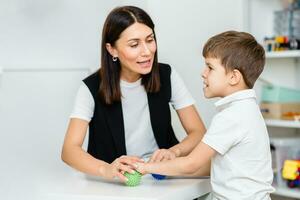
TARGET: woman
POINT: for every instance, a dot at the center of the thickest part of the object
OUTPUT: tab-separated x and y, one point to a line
125	104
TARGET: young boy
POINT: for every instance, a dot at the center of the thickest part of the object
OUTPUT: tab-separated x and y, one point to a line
236	142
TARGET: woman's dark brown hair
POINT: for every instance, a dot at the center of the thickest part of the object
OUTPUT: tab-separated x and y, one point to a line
116	22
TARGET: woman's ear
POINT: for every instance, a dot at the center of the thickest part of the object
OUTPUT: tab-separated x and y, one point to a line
235	77
112	51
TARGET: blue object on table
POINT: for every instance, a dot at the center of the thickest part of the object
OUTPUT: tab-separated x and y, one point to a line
158	176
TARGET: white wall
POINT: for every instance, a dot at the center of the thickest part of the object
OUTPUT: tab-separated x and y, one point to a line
34	112
51	32
47	47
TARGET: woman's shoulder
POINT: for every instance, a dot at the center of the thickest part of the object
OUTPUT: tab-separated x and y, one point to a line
92	82
164	66
94	77
164	69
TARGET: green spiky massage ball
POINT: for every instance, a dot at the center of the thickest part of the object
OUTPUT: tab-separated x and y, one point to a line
133	179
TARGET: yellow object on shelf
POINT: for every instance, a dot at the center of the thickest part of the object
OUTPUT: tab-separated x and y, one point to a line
290	169
285	149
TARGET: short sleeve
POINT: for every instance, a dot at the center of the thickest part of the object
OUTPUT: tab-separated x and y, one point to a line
222	134
180	97
84	104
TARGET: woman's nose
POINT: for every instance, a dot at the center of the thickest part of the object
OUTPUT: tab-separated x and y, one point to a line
146	50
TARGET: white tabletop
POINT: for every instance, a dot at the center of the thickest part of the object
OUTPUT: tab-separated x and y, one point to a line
76	186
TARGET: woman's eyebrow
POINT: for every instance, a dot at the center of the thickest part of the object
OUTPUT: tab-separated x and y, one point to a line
137	39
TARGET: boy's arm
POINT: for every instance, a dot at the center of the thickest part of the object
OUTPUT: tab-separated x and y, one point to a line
195	129
202	171
197	161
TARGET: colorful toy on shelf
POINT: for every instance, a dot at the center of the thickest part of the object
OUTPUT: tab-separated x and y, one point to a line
291	116
291	172
281	43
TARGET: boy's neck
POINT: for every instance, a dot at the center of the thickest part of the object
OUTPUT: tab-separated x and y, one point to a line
235	89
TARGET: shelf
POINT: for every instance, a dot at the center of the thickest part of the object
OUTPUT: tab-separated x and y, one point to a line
284	54
286	192
282	123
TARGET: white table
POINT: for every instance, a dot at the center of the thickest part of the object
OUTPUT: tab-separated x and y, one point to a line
76	186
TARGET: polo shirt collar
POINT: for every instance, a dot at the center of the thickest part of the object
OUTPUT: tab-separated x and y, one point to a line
237	96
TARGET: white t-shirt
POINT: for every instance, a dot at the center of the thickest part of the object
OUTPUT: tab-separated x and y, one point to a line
139	137
241	169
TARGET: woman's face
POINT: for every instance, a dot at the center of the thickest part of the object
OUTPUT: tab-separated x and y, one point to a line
135	50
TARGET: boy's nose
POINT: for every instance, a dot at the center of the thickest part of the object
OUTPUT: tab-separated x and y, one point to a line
204	72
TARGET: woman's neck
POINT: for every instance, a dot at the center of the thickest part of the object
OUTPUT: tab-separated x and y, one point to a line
130	76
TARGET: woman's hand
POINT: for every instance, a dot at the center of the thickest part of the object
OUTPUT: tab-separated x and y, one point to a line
162	154
119	166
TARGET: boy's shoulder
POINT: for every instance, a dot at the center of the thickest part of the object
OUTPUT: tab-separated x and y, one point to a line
239	113
225	117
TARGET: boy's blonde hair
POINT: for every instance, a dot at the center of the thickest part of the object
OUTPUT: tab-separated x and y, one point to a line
237	50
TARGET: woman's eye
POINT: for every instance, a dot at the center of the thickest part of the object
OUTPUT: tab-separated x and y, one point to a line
134	45
150	40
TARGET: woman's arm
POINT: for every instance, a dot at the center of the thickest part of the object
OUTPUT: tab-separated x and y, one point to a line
193	126
74	155
195	130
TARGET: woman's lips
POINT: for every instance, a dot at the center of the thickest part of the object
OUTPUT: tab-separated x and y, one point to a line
145	64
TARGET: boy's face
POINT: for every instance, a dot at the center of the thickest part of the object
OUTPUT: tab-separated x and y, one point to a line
215	78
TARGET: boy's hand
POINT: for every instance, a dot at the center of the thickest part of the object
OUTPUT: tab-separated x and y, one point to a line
141	167
162	154
119	166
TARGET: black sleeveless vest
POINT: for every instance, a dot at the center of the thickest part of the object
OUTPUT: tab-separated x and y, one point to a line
106	128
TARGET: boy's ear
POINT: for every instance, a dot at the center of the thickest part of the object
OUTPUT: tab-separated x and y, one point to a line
235	77
112	51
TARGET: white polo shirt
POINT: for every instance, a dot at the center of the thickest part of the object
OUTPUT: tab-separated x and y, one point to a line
139	136
241	169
